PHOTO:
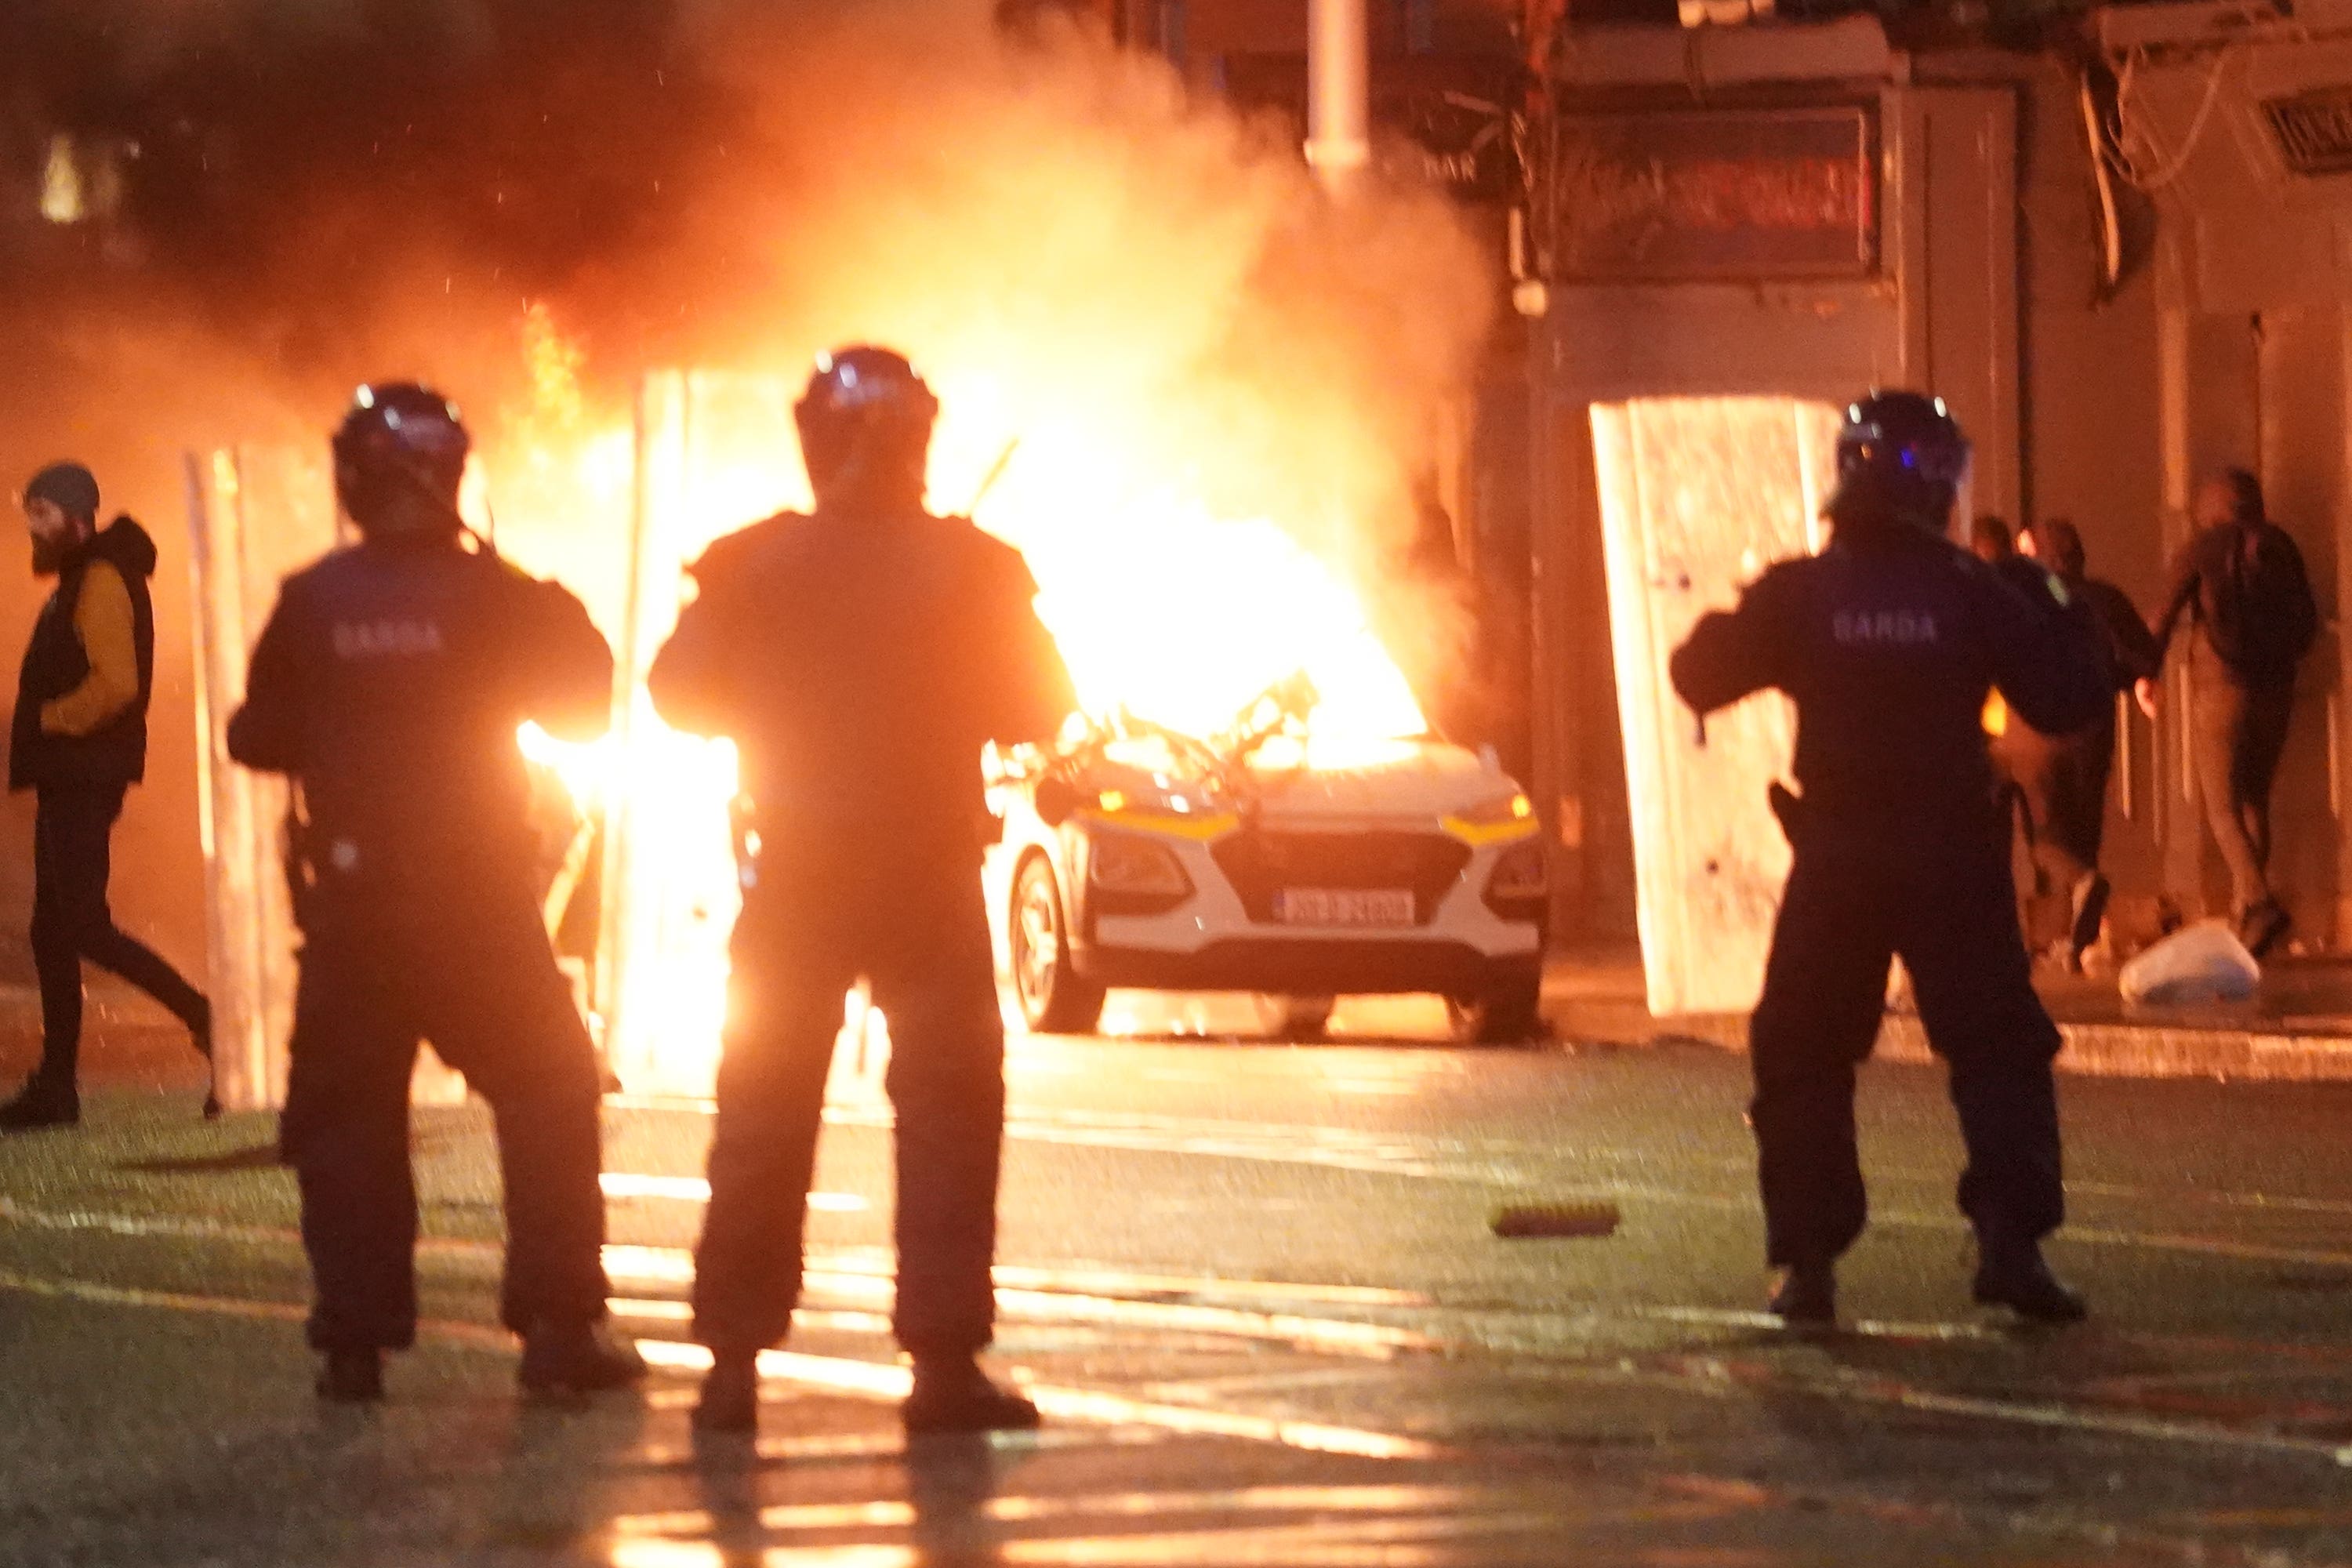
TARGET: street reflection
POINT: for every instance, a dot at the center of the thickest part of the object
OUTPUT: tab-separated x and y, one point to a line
952	1515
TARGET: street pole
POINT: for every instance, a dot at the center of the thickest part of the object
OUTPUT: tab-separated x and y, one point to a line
1339	92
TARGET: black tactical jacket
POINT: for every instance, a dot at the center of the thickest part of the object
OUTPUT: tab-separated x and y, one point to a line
1889	642
390	683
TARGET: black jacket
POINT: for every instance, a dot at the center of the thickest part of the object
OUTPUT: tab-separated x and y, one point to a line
2206	579
861	663
114	754
1889	643
389	684
2131	648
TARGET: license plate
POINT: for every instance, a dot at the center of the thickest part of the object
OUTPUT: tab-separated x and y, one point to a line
1344	906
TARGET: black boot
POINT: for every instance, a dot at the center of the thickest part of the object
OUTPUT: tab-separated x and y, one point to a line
953	1395
1804	1295
730	1393
576	1358
2014	1274
42	1102
352	1377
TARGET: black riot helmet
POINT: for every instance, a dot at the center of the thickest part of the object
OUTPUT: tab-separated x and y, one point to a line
865	427
400	455
1901	456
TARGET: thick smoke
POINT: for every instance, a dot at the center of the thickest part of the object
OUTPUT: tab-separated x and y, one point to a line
1145	289
324	191
1139	284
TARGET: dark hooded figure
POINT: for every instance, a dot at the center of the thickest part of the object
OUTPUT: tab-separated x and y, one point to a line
80	741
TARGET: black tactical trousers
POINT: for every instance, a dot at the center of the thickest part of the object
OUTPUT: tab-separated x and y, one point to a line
1945	904
919	935
73	828
474	974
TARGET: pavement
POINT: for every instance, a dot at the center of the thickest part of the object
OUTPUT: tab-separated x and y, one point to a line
2297	1026
1256	1291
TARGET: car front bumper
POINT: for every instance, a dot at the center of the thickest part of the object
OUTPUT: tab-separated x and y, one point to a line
1333	965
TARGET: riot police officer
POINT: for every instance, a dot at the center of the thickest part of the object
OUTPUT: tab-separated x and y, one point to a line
861	658
388	686
1888	643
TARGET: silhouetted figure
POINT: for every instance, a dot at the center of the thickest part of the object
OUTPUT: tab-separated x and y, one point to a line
1888	642
80	741
861	658
1991	539
2241	582
388	686
2062	779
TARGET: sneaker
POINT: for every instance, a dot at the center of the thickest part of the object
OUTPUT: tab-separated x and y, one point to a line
731	1395
576	1358
2262	926
41	1103
1804	1295
351	1377
2091	895
953	1395
2018	1278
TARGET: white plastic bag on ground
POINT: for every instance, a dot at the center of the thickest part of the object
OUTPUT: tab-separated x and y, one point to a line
2203	962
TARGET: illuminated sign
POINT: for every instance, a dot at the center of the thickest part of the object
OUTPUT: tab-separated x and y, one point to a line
1729	195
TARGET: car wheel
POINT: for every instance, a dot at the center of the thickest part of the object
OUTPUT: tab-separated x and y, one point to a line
1301	1020
1506	1013
1055	998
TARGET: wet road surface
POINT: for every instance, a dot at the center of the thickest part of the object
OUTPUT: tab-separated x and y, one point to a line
1255	1289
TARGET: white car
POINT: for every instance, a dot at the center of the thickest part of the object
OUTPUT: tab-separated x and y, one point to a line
1135	857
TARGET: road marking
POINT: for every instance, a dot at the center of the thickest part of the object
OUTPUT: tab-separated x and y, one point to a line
1715	1374
1482	1160
864	1446
1355	1520
1369	1498
840	1375
1038	1299
685	1187
128	1296
696	1190
1387	1548
2287	1205
2209	1246
874	1380
1706	1375
1411	1542
1058	1295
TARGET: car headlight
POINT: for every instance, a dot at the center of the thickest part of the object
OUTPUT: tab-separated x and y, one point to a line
1495	819
1521	880
1152	799
1159	806
1504	808
1133	875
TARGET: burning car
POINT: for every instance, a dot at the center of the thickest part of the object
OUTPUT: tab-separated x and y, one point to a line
1265	859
